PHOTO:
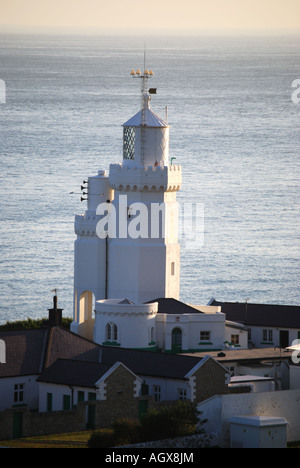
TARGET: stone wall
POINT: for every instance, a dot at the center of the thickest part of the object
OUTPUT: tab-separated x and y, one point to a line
210	381
36	424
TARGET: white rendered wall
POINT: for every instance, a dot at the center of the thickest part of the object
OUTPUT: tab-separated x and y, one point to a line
169	388
191	326
243	336
58	391
89	257
141	268
257	336
156	148
134	323
30	391
218	411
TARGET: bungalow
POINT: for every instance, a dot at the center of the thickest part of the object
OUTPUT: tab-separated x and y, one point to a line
268	325
53	368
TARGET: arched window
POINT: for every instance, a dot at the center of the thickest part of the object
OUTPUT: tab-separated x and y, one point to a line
108	332
115	332
111	332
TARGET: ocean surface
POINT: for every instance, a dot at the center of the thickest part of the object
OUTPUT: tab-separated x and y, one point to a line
234	130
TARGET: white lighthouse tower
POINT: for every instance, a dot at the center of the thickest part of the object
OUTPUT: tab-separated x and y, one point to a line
145	265
139	259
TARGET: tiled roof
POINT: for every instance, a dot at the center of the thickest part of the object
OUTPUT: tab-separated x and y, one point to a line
267	315
29	352
24	352
151	363
70	372
67	345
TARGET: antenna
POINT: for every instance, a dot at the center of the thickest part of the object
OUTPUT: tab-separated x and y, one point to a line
144	76
145	56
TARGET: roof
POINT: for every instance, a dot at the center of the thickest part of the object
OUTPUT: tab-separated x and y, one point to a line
258	421
24	352
151	363
267	315
249	378
254	355
70	372
174	307
150	119
28	352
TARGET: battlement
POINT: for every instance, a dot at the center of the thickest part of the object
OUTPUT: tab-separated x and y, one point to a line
85	224
140	179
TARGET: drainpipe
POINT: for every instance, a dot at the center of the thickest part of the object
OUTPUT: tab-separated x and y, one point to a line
106	267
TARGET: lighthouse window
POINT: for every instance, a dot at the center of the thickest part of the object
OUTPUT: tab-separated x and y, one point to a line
128	142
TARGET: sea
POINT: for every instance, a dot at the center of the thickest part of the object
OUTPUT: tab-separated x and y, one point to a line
234	129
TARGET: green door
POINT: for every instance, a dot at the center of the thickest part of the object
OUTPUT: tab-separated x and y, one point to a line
143	407
176	340
91	415
66	402
17	425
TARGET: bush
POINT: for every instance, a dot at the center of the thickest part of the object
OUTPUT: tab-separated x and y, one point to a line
102	438
177	420
127	431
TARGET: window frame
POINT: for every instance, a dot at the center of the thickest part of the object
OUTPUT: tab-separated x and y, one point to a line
129	143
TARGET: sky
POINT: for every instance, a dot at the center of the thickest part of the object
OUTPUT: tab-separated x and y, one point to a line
112	15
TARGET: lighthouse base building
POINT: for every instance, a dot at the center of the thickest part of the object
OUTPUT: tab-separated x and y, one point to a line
127	254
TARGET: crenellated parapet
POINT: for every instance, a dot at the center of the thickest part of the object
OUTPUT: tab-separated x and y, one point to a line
85	224
149	179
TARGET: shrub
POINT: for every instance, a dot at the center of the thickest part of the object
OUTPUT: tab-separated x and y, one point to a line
127	431
177	420
102	438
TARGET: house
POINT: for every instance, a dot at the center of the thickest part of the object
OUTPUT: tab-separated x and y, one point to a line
53	368
182	327
28	353
166	324
268	325
263	367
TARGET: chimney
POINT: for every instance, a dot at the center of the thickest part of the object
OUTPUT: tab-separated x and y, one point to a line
55	314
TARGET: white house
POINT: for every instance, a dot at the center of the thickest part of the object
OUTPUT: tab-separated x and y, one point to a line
268	325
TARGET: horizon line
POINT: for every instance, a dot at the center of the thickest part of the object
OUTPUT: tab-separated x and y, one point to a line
105	31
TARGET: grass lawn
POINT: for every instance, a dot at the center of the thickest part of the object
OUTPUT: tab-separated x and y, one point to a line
70	440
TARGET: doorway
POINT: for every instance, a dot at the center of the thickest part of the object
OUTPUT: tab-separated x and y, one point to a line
176	340
283	338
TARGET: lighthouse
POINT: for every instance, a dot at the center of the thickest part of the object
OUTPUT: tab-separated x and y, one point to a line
127	252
